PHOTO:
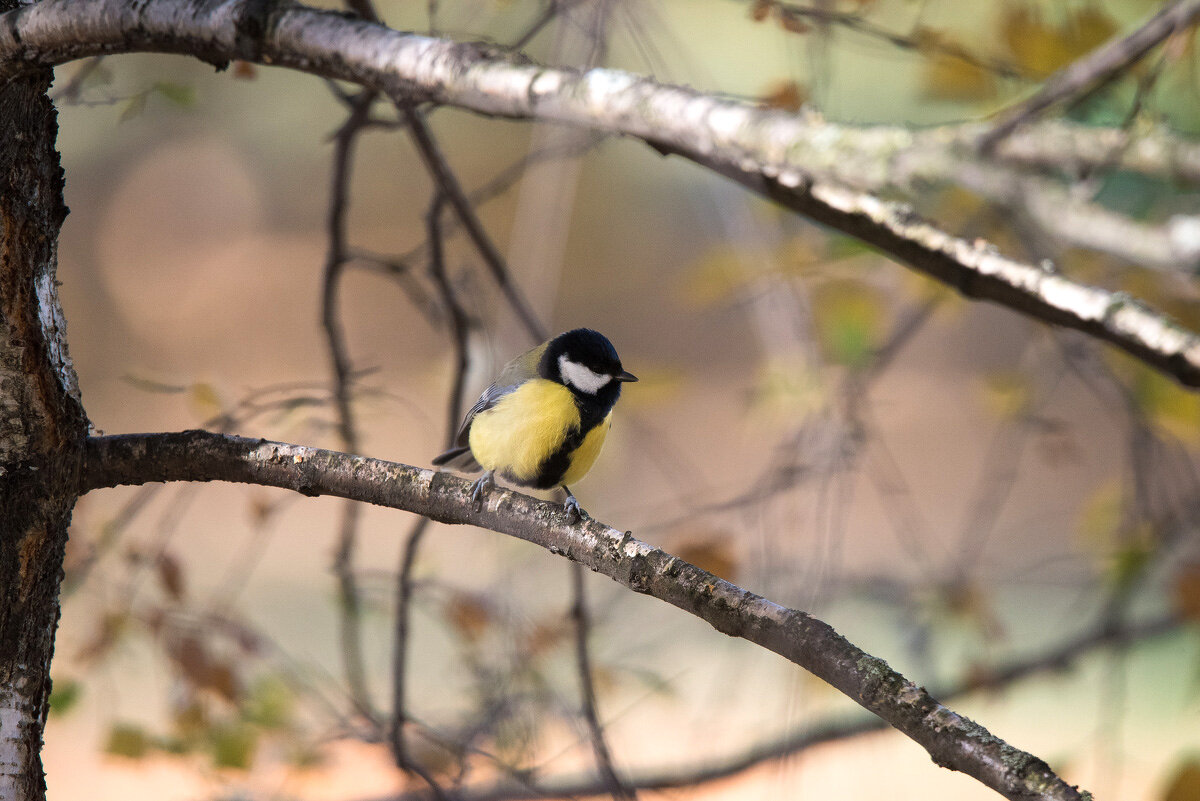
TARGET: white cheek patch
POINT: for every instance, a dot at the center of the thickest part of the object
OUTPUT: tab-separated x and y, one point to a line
582	378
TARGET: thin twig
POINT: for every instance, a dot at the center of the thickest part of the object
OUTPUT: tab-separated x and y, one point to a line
443	176
69	92
460	330
583	667
923	44
1098	67
837	730
553	9
500	183
335	260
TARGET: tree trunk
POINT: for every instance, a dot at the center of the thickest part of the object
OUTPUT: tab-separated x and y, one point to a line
42	425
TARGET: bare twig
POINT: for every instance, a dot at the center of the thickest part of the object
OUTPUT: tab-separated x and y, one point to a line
335	260
500	183
460	329
69	92
793	743
928	43
552	10
583	666
953	741
1101	65
443	176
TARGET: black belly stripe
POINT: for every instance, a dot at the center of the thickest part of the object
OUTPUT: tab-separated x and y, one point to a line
592	411
554	466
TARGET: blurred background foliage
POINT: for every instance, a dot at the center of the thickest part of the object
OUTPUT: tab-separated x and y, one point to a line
951	486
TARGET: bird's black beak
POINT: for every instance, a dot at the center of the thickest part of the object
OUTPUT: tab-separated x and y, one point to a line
625	375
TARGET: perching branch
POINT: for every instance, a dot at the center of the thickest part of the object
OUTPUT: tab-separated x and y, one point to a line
953	741
813	734
755	146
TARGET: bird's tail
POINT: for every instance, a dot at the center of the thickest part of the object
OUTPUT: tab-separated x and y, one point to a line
460	459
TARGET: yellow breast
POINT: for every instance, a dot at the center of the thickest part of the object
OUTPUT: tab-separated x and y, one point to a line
523	428
585	455
527	426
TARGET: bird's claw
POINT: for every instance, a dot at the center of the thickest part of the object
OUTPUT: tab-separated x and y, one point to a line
574	510
485	481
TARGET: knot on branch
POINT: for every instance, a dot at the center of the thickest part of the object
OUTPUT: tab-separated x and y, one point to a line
251	24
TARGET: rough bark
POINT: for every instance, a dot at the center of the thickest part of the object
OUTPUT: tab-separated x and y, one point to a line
952	740
42	425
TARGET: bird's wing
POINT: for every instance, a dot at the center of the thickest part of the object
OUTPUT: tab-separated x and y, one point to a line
515	373
490	397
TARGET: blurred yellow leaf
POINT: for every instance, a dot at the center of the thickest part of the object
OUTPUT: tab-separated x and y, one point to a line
179	94
1100	516
1131	558
1185	783
234	746
65	693
1185	593
1167	404
1042	48
152	385
1126	549
947	78
204	401
134	107
269	703
850	316
1089	28
788	389
1033	44
720	273
191	722
1006	393
127	740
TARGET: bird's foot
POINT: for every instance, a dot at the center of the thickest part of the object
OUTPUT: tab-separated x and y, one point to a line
572	507
486	481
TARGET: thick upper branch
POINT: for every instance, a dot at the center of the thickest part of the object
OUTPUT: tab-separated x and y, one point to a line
766	150
952	740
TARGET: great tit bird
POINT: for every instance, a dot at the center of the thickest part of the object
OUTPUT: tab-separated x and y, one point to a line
543	421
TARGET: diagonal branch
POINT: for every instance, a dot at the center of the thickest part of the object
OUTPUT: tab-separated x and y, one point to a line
809	736
752	145
952	740
453	194
1101	65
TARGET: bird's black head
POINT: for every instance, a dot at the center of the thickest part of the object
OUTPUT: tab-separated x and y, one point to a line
586	362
